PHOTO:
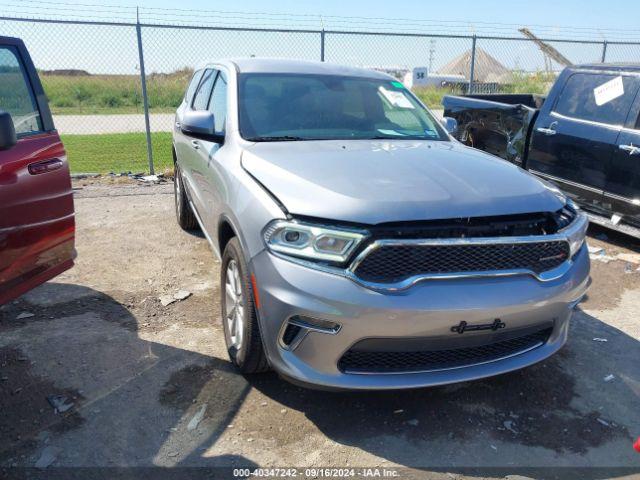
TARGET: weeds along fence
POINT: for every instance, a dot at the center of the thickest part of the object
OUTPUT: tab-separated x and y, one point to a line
112	87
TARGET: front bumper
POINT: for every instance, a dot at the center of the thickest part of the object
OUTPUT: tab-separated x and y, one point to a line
426	310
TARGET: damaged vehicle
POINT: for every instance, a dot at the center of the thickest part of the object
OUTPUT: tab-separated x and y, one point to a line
584	137
361	246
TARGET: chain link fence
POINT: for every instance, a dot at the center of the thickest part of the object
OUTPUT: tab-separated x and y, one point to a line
96	74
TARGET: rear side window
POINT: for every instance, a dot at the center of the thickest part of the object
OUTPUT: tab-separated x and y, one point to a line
16	96
218	103
583	98
192	86
201	100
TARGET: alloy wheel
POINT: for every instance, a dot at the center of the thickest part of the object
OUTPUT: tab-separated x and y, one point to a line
234	305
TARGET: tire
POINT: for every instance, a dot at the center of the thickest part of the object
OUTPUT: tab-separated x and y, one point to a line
244	340
184	214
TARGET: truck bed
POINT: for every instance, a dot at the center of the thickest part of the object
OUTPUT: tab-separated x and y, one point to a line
496	123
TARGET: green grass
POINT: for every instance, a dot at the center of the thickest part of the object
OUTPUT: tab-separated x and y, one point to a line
117	152
432	96
539	83
96	94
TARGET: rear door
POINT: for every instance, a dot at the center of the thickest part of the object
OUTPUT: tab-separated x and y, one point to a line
574	138
37	226
622	189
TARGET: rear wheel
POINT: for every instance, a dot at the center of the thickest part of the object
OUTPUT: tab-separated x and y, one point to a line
239	319
184	214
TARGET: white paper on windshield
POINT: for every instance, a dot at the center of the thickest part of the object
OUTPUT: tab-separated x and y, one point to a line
397	99
609	91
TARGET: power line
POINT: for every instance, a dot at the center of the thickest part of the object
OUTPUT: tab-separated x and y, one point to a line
106	12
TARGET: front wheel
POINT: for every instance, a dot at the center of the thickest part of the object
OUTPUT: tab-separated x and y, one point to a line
239	319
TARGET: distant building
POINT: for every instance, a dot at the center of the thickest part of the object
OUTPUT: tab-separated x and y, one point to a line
486	68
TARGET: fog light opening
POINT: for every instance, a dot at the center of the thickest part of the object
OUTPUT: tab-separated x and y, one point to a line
290	334
297	328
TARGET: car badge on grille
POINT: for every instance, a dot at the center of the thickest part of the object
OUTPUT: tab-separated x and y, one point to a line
552	257
465	327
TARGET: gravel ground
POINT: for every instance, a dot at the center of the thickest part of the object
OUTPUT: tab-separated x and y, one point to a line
137	376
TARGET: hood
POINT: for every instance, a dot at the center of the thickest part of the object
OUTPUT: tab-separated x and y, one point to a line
374	181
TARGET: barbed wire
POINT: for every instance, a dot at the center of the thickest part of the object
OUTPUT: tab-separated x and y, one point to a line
105	12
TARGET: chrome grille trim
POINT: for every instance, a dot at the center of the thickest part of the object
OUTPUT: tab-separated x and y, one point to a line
580	223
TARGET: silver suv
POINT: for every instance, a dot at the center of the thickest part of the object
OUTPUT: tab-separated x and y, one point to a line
362	247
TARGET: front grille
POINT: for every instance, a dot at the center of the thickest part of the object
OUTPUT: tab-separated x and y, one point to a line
395	262
355	361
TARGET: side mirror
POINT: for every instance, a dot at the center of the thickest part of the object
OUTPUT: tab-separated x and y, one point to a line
8	137
200	124
450	125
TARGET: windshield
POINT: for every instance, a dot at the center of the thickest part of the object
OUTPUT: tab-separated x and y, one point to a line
289	107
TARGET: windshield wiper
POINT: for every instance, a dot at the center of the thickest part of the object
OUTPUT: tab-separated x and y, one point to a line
280	138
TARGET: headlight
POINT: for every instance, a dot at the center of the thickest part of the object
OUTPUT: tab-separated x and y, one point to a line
313	242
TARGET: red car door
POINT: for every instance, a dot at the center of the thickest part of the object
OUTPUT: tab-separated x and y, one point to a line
37	225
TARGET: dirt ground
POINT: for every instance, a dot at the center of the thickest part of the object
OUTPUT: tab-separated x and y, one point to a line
131	375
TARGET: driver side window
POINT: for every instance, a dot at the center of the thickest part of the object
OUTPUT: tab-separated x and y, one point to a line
16	96
218	103
201	99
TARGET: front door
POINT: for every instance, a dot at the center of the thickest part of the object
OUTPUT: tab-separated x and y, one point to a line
211	153
37	226
189	149
573	142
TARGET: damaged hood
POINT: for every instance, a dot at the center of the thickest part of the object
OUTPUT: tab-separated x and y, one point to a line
376	181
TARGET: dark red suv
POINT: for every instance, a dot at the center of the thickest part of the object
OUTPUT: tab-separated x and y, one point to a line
37	225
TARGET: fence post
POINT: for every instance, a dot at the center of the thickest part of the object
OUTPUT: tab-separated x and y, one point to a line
322	45
604	51
145	98
473	64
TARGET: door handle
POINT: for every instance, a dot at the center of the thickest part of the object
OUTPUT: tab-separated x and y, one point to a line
546	131
44	167
631	149
195	144
549	131
178	124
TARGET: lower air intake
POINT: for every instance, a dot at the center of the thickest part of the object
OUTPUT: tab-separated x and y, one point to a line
356	361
